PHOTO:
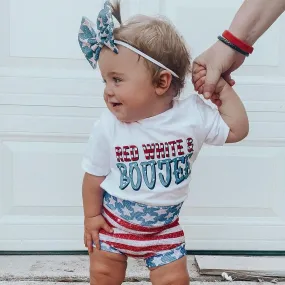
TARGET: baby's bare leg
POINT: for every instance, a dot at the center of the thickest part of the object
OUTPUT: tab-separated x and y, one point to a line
107	268
174	273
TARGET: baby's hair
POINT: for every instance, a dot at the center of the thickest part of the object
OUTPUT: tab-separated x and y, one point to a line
158	38
116	10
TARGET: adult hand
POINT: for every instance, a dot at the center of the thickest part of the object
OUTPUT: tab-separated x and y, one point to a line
199	81
219	60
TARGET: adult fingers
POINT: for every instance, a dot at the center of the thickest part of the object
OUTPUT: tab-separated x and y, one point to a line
215	96
199	84
217	102
232	82
198	75
197	68
212	78
228	78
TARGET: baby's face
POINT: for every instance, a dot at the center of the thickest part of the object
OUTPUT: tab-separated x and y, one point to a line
129	92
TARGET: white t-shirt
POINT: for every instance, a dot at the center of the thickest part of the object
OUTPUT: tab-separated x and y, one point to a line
150	161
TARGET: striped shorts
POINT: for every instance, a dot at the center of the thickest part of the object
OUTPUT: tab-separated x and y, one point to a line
152	233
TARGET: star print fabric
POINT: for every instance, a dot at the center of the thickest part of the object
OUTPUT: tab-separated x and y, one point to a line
93	37
142	231
141	214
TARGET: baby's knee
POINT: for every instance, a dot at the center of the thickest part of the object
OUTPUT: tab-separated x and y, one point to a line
181	280
106	275
98	269
106	268
100	274
174	273
175	279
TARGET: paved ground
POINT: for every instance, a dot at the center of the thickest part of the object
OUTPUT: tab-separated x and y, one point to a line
70	268
52	270
134	283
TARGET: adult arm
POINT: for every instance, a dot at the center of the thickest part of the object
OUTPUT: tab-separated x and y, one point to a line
252	19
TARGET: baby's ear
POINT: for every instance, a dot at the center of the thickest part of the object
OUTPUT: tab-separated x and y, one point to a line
163	82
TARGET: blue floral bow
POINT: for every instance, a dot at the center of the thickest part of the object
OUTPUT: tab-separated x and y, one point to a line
92	39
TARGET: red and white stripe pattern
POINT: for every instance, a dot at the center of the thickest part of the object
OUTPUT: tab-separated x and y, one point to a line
140	241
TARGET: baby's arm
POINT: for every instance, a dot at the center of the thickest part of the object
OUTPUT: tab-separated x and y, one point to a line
92	195
96	166
229	105
233	112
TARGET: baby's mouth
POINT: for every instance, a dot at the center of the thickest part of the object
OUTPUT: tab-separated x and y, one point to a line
116	104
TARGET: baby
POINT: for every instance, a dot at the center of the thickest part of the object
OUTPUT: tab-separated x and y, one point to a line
141	151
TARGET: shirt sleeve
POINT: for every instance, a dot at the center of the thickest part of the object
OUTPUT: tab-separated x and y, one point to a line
96	160
215	129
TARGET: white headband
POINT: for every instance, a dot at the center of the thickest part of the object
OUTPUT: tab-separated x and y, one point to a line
93	37
145	56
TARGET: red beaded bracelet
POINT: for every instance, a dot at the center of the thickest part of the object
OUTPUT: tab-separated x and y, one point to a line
237	42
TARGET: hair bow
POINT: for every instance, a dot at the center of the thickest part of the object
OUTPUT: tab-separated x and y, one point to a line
92	38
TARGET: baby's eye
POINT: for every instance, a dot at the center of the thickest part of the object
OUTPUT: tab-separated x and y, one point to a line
104	81
117	80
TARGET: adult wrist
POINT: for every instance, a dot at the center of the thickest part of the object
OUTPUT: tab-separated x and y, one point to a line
243	45
235	43
247	36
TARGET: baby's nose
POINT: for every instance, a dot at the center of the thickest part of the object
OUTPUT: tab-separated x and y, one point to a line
109	91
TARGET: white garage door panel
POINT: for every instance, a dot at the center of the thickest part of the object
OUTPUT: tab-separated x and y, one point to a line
31	82
235	174
244	198
44	125
37	24
50	97
38	237
209	19
46	176
40	195
60	29
37	173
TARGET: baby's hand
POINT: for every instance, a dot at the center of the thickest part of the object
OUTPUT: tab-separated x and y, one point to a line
92	228
198	79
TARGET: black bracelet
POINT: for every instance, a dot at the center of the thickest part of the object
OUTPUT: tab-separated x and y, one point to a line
228	43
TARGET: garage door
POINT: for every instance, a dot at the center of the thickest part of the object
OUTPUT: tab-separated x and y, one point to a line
49	99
